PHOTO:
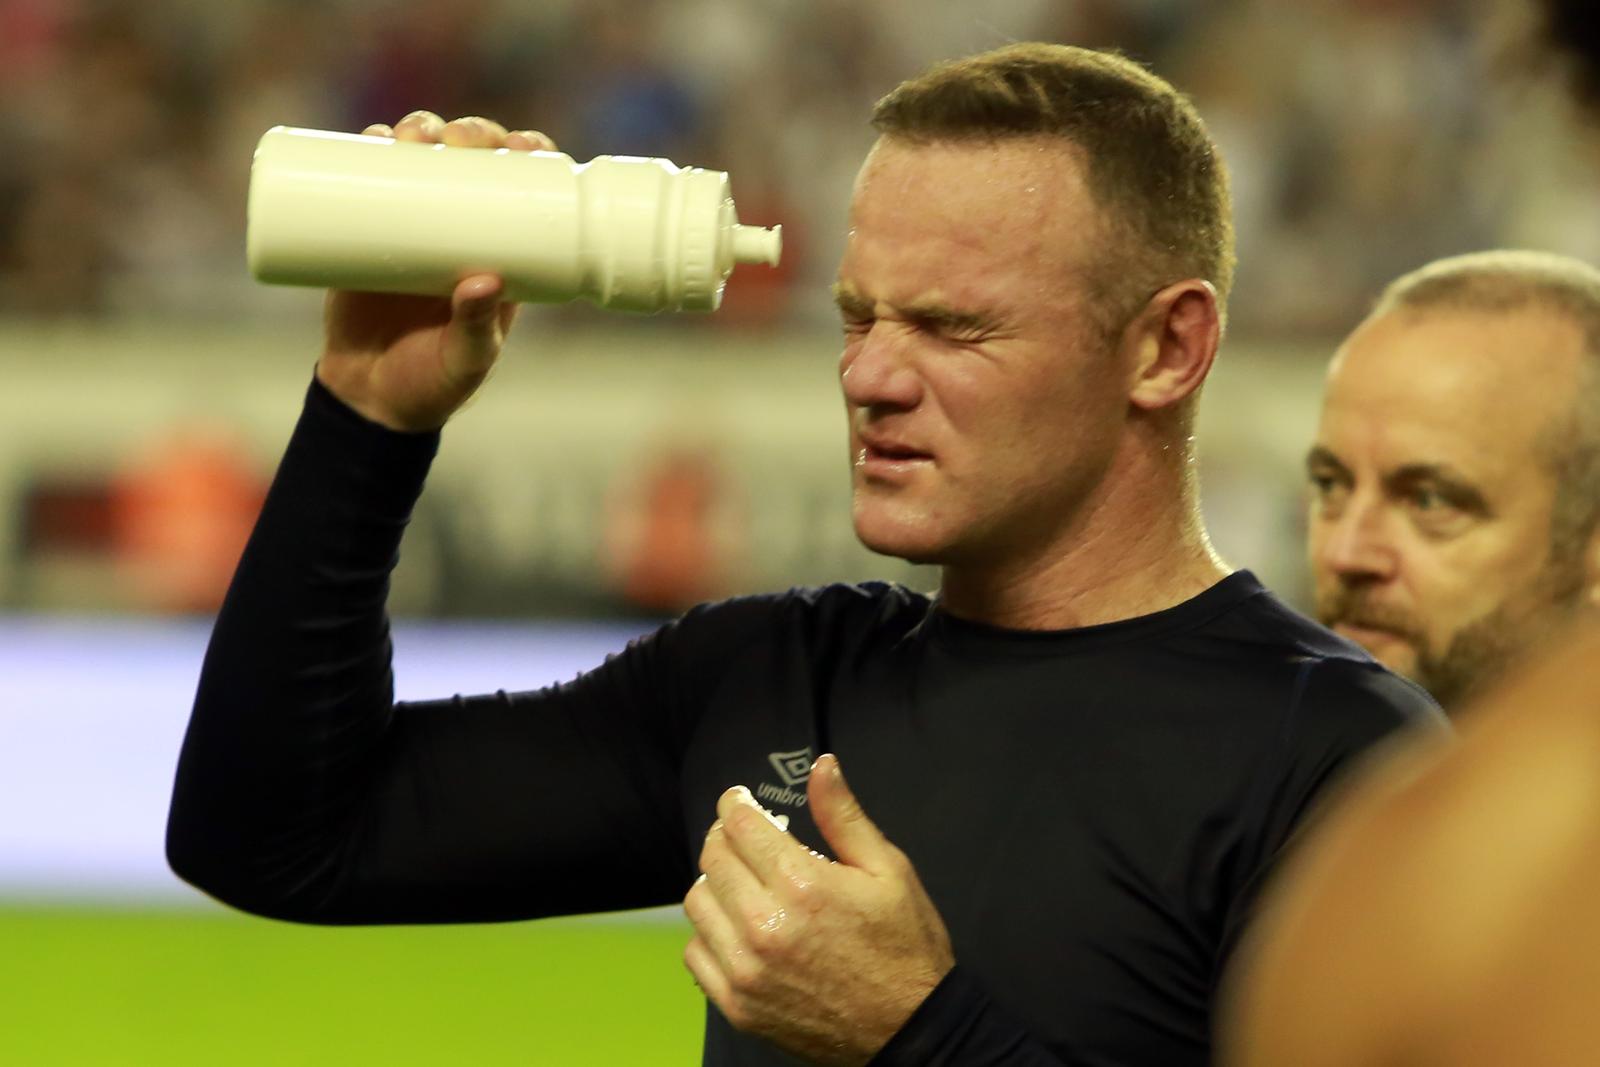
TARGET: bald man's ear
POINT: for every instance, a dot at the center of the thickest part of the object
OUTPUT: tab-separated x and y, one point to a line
1174	341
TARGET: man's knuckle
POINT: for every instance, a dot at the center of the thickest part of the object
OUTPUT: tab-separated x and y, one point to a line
804	894
768	936
746	973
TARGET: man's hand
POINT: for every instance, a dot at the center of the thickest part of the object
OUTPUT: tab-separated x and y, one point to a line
409	362
824	959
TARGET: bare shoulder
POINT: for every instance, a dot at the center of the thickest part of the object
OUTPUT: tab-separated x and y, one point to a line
1405	907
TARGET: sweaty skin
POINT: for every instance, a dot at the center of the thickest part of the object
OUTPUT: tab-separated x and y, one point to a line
773	920
995	429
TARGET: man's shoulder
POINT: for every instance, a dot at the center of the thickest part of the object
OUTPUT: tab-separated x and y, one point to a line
1334	680
807	609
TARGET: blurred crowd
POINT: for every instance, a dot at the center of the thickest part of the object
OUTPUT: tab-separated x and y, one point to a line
1365	136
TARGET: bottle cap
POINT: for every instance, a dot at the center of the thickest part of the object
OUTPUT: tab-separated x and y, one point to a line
757	244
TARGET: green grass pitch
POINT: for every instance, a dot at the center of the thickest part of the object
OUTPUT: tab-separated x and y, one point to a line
202	986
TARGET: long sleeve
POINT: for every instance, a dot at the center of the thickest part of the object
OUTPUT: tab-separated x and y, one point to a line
304	792
958	1025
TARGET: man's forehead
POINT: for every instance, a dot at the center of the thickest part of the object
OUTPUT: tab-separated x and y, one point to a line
1491	374
931	298
1040	179
1464	393
1465	348
955	224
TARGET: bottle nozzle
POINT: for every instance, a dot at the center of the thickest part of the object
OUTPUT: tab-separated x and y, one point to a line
756	244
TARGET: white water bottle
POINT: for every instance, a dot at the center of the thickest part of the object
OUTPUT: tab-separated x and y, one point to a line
345	211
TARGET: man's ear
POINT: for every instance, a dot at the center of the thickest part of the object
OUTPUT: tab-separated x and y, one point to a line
1174	340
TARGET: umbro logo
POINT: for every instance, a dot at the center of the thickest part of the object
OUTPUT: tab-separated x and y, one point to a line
793	767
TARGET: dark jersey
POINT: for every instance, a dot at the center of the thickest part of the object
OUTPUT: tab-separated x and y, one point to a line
1091	810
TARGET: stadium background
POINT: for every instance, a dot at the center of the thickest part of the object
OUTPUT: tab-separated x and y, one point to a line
616	470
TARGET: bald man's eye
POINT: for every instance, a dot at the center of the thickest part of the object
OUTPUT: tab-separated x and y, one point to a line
1328	492
1436	511
1428	499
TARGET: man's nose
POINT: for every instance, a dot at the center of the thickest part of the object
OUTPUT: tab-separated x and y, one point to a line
878	371
1356	544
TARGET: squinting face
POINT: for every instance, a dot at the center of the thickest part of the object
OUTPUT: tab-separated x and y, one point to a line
1432	495
984	404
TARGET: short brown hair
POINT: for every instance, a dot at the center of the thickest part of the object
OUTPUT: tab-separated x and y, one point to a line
1504	281
1149	161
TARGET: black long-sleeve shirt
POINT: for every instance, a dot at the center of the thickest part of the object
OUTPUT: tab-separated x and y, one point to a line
1091	810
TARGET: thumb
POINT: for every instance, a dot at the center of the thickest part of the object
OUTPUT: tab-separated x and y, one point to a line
853	837
476	323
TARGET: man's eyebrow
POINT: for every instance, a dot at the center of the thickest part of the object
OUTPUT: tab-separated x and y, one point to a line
1461	490
1319	456
854	304
851	302
945	317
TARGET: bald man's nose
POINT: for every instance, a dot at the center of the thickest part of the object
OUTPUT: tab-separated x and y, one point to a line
1356	545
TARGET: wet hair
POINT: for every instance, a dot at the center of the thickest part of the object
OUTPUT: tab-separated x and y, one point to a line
1151	165
1508	281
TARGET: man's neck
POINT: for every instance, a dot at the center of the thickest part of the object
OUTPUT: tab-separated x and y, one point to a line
1129	554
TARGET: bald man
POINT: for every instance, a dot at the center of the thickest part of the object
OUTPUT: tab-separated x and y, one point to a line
1444	911
1456	470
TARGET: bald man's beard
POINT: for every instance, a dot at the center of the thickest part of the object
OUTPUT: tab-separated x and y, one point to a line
1481	651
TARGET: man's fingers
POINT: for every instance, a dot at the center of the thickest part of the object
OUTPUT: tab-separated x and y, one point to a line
477	289
422	126
762	839
473	132
854	838
711	924
530	141
739	891
476	296
475	305
707	972
469	131
475	332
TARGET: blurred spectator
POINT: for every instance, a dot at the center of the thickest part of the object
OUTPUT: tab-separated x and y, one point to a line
1362	135
671	535
182	512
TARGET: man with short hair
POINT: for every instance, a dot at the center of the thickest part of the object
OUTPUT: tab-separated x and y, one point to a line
1455	529
1456	469
1449	898
1079	759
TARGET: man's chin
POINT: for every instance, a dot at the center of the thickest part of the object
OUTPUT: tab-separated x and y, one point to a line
909	548
908	539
